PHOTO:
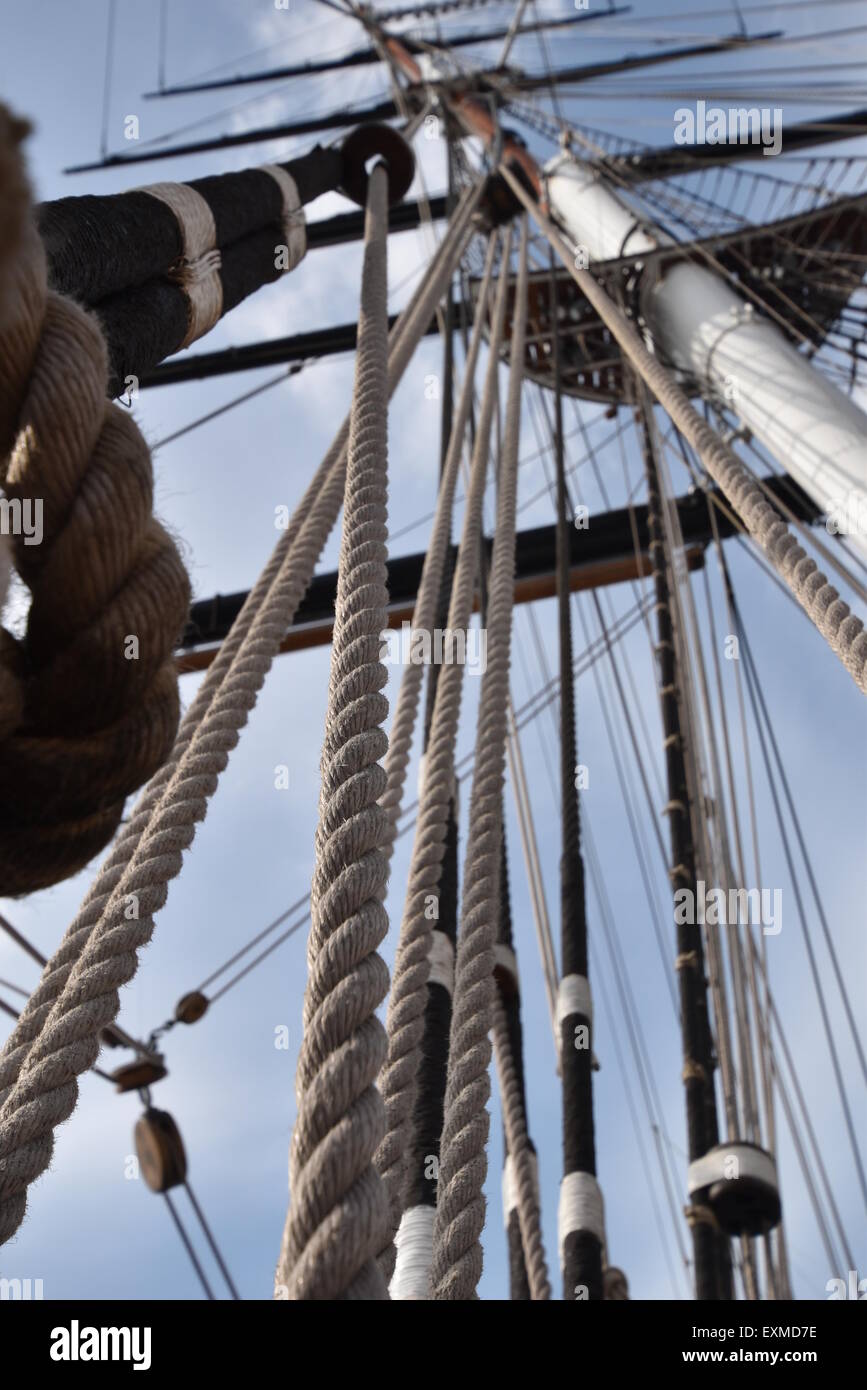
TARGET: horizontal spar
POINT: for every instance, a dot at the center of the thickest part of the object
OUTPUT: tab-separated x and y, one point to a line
297	347
361	57
603	553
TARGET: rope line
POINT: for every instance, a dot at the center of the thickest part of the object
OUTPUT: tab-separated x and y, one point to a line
338	1208
457	1260
405	1022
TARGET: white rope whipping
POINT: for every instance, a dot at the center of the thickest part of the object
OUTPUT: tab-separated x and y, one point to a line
574	997
442	962
198	273
414	1243
731	1161
580	1209
294	225
510	1184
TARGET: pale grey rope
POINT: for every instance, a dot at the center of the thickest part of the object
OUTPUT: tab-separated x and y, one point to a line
403	340
842	630
403	724
405	1021
521	1154
337	1213
46	1089
460	1213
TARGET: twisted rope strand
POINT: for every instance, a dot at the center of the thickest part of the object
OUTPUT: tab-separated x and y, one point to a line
457	1259
405	1021
521	1154
433	570
338	1211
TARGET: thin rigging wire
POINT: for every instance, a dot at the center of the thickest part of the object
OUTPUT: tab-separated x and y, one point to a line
109	69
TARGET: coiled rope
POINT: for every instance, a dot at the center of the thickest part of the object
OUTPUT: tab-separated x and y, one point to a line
412	964
457	1257
97	699
58	1035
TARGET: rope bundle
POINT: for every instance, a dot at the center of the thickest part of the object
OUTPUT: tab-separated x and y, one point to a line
338	1209
90	699
457	1260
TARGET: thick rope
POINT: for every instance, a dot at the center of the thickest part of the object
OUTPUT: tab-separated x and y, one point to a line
581	1249
844	633
406	709
79	990
403	340
405	1022
98	690
337	1214
520	1154
457	1262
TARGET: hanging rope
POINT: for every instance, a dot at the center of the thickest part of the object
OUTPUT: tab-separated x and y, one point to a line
509	1048
338	1210
416	1197
582	1238
457	1260
843	632
97	697
412	964
711	1260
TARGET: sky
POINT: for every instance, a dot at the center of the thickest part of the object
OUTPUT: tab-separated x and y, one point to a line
92	1231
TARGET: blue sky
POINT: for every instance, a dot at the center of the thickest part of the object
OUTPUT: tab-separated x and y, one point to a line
92	1233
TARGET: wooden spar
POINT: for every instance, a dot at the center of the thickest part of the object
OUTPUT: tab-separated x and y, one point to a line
602	554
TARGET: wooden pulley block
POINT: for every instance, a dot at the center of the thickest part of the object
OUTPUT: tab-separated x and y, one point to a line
191	1007
144	1071
160	1150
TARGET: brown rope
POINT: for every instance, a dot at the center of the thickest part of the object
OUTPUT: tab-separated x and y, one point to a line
96	687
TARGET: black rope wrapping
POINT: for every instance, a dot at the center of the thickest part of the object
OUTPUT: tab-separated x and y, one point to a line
582	1250
114	254
711	1247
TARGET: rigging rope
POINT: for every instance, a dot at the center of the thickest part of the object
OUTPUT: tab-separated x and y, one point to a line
582	1239
457	1258
337	1213
411	966
401	1159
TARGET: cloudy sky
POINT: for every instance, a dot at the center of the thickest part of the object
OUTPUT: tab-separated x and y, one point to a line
93	1232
